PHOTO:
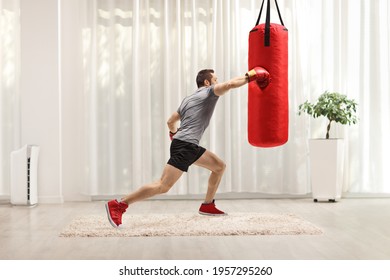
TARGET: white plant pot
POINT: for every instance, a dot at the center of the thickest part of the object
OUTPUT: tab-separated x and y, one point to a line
326	164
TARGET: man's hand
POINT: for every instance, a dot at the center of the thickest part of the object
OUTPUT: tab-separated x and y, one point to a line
172	124
260	75
171	134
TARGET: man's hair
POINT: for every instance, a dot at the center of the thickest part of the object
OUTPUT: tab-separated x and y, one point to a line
204	74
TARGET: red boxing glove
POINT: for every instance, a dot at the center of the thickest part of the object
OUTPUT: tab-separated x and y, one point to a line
171	134
260	75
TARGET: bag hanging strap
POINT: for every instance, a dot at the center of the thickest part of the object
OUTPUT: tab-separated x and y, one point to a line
268	21
280	16
261	10
267	34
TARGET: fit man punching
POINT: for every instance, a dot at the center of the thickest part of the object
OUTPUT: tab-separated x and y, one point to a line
194	115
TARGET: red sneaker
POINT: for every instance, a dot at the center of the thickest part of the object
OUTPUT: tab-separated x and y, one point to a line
210	209
115	210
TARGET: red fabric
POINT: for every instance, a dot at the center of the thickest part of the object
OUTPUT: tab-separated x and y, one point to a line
268	107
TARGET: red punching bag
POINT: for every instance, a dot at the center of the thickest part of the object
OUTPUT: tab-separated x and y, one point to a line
268	106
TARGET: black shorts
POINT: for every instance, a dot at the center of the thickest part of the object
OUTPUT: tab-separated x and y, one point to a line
183	154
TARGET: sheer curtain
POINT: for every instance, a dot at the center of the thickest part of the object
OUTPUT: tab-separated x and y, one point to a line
344	46
141	59
9	87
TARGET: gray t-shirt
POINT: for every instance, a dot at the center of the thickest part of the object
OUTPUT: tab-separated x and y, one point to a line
195	113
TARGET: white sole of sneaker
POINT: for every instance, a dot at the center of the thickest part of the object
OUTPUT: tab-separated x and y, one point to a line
208	214
109	217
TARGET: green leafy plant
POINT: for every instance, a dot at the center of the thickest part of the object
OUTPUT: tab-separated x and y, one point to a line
334	106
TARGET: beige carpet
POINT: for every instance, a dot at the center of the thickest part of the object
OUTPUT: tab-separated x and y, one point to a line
191	225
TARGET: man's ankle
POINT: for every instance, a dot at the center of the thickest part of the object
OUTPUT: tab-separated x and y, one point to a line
122	201
208	201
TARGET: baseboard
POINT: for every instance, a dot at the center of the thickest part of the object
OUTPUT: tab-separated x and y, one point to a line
366	195
244	196
5	199
218	196
50	199
77	198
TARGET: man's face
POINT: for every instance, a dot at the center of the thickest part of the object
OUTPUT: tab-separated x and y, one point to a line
214	79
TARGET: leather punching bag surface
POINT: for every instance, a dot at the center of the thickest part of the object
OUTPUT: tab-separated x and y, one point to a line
268	107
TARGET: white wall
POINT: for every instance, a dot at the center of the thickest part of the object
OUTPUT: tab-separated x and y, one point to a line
40	92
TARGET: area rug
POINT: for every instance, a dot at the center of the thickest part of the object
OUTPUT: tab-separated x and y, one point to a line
191	225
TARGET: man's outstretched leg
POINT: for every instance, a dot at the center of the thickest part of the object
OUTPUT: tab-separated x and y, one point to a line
115	209
217	167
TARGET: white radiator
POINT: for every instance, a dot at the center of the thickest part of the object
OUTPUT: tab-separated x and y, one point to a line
24	176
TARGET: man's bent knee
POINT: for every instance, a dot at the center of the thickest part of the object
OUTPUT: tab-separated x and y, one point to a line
220	168
164	188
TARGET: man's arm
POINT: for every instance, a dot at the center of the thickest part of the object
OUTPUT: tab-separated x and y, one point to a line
172	122
258	74
222	88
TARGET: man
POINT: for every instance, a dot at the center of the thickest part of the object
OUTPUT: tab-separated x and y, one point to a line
194	115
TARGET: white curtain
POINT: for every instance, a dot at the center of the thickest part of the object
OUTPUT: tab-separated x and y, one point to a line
9	87
344	46
141	58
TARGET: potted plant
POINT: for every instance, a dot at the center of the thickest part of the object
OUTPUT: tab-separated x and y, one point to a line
327	155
